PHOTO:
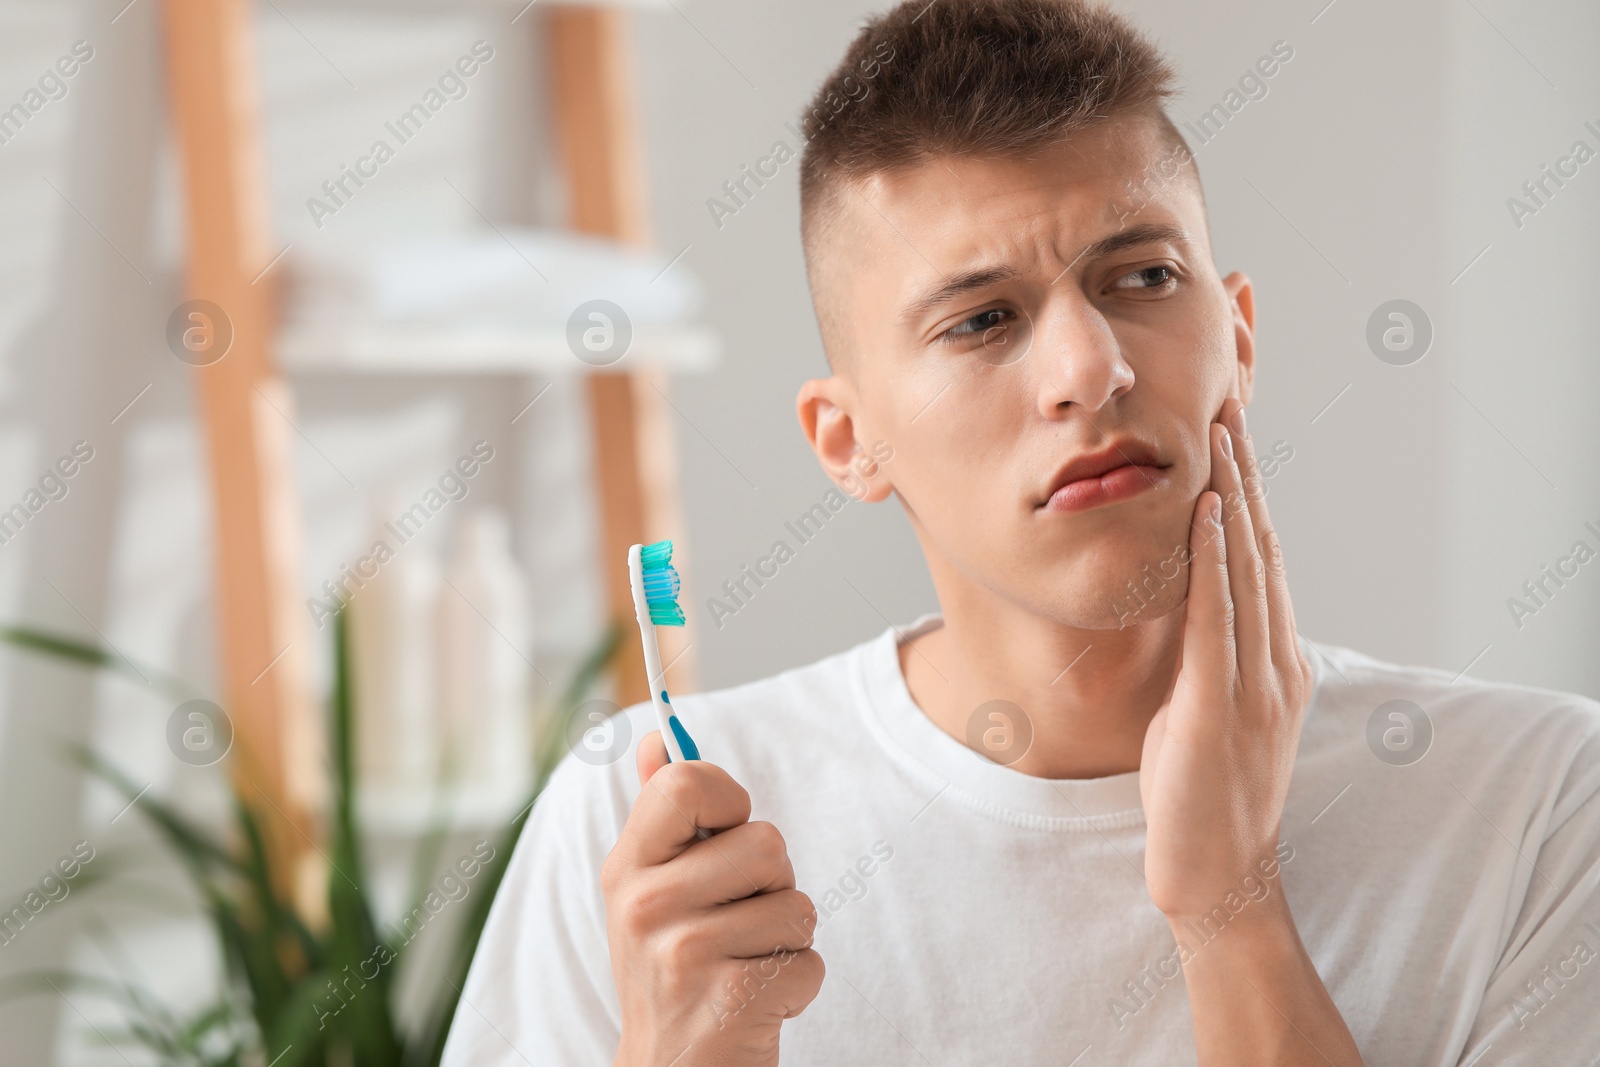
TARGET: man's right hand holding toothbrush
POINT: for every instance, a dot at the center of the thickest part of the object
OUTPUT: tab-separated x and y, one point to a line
710	940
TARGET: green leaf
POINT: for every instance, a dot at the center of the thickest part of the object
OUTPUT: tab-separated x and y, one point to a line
222	1014
251	958
196	847
299	1037
89	654
355	951
52	983
281	917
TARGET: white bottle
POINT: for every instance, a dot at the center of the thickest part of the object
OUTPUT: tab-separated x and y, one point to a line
392	645
485	672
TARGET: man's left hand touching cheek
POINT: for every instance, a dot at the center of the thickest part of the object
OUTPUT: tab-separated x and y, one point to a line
1214	775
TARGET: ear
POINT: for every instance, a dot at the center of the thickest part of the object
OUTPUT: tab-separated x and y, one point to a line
824	406
1243	301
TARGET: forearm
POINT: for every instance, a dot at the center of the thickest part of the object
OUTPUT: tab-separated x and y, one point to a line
1254	994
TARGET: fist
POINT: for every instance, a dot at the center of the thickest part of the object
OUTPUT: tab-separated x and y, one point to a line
710	940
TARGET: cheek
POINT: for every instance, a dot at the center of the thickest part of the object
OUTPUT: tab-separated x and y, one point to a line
1188	367
1219	369
956	427
1181	390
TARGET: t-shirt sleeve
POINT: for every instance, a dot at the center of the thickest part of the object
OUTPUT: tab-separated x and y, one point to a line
539	990
1542	1004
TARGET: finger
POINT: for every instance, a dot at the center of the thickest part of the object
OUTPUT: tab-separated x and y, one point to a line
1246	581
751	858
1280	611
673	805
651	755
784	921
1208	614
779	986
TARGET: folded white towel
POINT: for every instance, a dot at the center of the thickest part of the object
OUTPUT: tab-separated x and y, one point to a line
481	280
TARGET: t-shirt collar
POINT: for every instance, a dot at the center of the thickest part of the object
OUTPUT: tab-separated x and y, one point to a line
962	775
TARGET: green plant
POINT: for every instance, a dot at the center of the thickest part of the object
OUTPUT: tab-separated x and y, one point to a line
279	970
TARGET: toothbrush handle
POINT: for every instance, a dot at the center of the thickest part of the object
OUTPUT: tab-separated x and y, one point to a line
680	746
685	743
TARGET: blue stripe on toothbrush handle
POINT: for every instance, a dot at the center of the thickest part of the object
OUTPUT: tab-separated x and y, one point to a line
685	742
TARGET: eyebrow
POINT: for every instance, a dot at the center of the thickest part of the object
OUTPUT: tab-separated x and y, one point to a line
1144	234
956	285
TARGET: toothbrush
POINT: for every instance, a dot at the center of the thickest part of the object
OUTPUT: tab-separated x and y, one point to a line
655	602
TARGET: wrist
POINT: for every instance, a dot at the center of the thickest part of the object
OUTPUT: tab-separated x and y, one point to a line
1260	909
1255	890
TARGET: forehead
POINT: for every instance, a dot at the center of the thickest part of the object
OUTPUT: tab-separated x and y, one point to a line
899	228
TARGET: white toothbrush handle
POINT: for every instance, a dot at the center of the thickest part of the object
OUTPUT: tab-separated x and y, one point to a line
658	688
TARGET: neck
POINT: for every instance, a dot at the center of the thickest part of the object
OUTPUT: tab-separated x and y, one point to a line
1086	695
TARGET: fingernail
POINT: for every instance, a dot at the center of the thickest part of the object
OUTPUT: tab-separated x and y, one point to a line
1237	422
1226	444
1216	510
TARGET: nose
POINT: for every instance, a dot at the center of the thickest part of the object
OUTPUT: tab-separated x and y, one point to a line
1079	360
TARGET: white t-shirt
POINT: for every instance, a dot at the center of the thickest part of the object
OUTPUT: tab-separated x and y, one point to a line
971	914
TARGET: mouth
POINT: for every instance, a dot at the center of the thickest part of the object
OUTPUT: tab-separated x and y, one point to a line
1123	469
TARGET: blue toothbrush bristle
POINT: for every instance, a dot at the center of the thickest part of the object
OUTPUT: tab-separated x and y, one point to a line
661	584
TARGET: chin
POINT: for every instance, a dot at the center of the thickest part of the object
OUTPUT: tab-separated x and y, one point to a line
1123	581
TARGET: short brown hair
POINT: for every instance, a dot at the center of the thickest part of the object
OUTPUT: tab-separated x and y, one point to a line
972	78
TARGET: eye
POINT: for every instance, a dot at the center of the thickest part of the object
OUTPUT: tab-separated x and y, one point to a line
1159	278
977	327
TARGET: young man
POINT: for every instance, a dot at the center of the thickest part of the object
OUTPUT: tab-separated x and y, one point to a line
1107	807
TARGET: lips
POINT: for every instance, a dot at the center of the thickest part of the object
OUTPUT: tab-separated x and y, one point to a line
1124	468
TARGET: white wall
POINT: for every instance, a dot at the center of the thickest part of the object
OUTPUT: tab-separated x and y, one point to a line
1525	334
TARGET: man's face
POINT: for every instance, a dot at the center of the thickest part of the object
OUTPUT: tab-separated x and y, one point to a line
1049	412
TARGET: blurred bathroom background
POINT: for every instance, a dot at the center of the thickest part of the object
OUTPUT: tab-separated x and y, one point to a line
421	318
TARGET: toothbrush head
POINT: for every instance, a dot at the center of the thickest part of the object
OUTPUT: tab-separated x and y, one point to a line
661	584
